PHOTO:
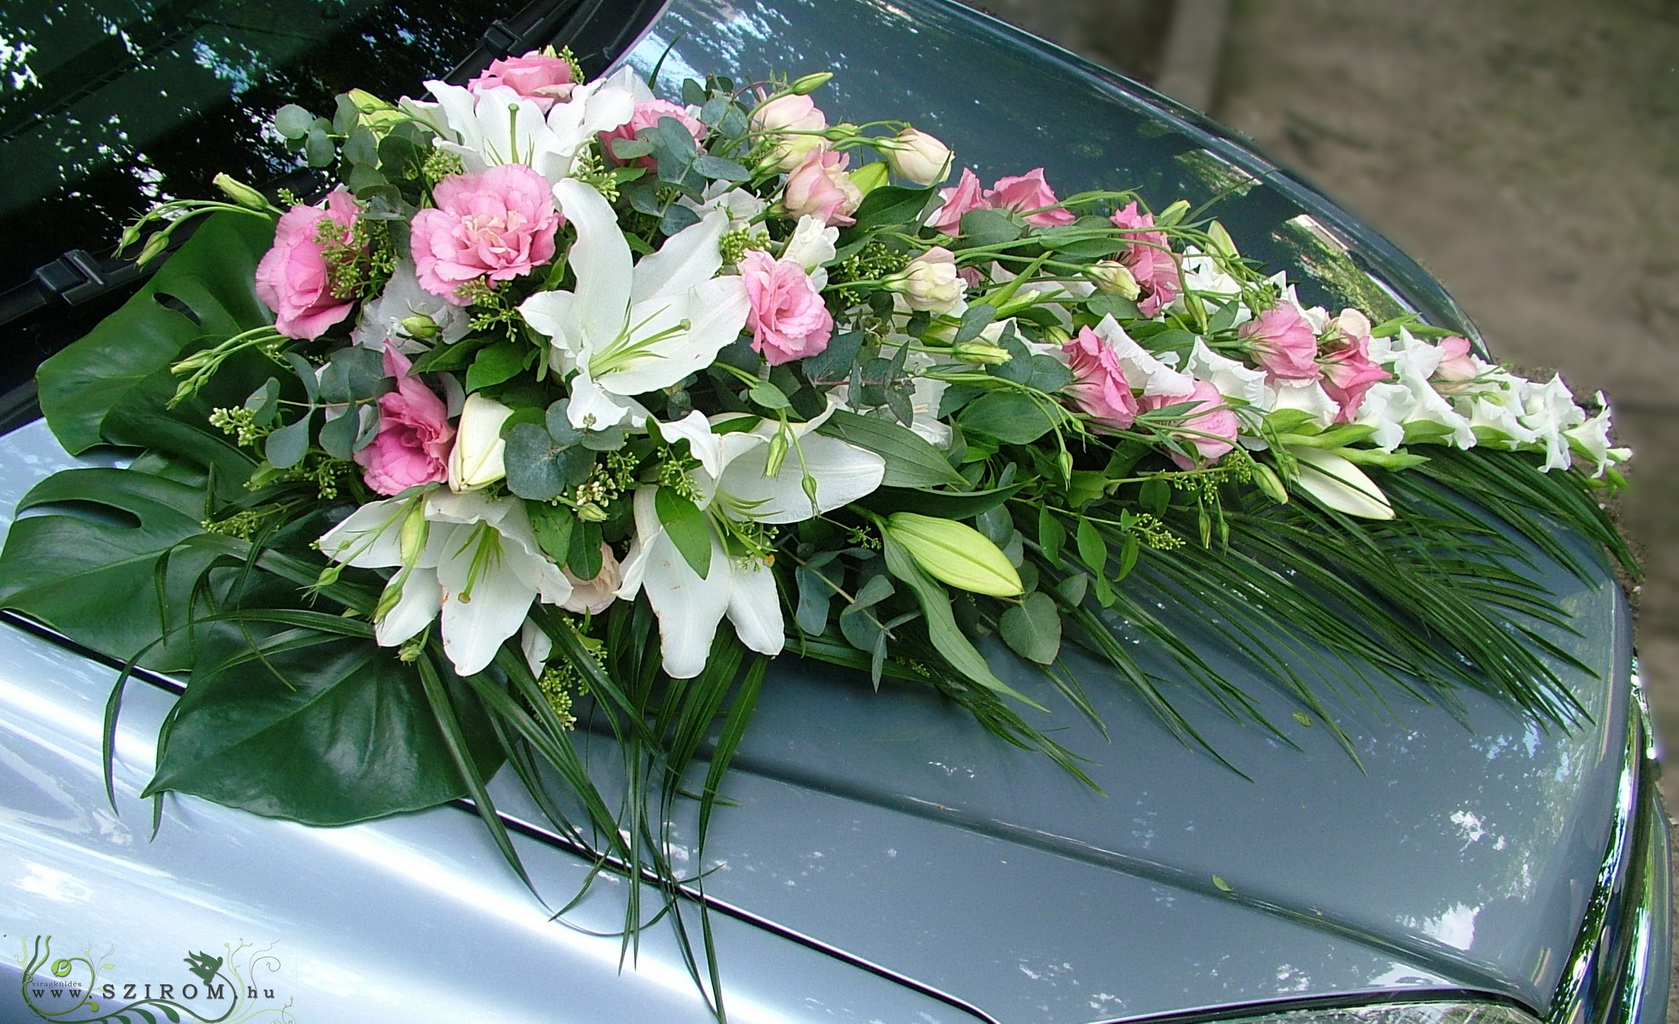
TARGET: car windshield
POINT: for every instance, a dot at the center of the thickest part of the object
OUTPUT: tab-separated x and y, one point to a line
110	106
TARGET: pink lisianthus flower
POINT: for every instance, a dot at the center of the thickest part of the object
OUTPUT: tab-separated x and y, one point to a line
1099	385
646	115
819	187
414	439
1209	427
292	278
1029	192
788	318
535	76
966	195
1457	366
494	225
1282	342
1149	260
1348	370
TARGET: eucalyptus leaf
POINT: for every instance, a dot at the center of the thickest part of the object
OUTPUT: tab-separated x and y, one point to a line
1033	628
911	461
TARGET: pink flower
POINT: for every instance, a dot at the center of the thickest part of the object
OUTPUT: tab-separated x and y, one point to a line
788	318
820	188
414	439
1026	192
967	195
1457	365
789	122
496	224
1149	260
1209	427
1282	342
647	115
544	79
292	277
1099	385
1348	370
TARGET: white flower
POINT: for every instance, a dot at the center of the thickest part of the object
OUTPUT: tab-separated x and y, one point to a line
1142	370
811	246
1548	410
1232	378
917	156
1591	440
476	460
1203	273
479	566
404	298
741	206
1340	485
630	329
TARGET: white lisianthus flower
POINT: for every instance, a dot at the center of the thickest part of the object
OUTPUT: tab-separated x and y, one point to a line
402	300
469	559
918	157
1232	378
1202	273
476	460
811	246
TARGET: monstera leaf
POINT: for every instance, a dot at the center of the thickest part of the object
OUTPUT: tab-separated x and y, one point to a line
111	386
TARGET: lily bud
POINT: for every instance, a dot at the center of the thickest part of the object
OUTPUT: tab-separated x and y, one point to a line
809	83
366	102
476	460
955	553
1114	278
1221	239
240	192
980	353
918	157
420	327
1172	214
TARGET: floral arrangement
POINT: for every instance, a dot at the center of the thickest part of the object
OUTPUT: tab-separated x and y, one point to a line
561	375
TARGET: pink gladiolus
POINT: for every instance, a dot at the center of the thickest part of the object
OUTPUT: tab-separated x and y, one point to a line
1149	260
1282	342
1209	427
1099	385
647	115
1026	192
494	225
292	277
788	318
412	446
546	80
819	188
966	195
1348	370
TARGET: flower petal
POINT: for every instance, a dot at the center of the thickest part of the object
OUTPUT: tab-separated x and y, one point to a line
688	607
755	605
843	473
601	259
1340	485
687	258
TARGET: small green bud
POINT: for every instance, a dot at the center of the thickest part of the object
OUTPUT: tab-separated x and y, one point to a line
591	513
980	354
1221	240
154	248
955	553
777	454
130	236
869	177
808	84
1174	213
419	327
414	532
389	598
1270	483
329	575
240	192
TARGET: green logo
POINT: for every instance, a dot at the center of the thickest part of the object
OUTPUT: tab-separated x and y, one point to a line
86	989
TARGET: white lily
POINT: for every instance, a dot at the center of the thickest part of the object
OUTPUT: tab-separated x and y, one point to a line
472	559
498	126
732	483
630	329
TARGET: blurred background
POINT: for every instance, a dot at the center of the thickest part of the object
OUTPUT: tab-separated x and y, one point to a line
1524	151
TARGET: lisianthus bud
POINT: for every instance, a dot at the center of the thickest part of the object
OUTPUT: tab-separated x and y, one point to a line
1115	278
413	533
790	121
154	247
807	84
1172	214
980	354
869	177
476	459
955	553
419	327
919	157
590	512
930	281
1270	483
240	192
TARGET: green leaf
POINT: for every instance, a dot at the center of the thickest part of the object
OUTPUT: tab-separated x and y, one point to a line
886	206
103	566
497	363
988	227
1033	628
718	167
1221	884
540	468
911	461
687	527
1009	416
974	320
297	718
552	525
213	275
1103	304
286	446
1093	549
293	122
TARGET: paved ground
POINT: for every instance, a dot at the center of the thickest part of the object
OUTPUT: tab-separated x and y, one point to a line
1525	151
